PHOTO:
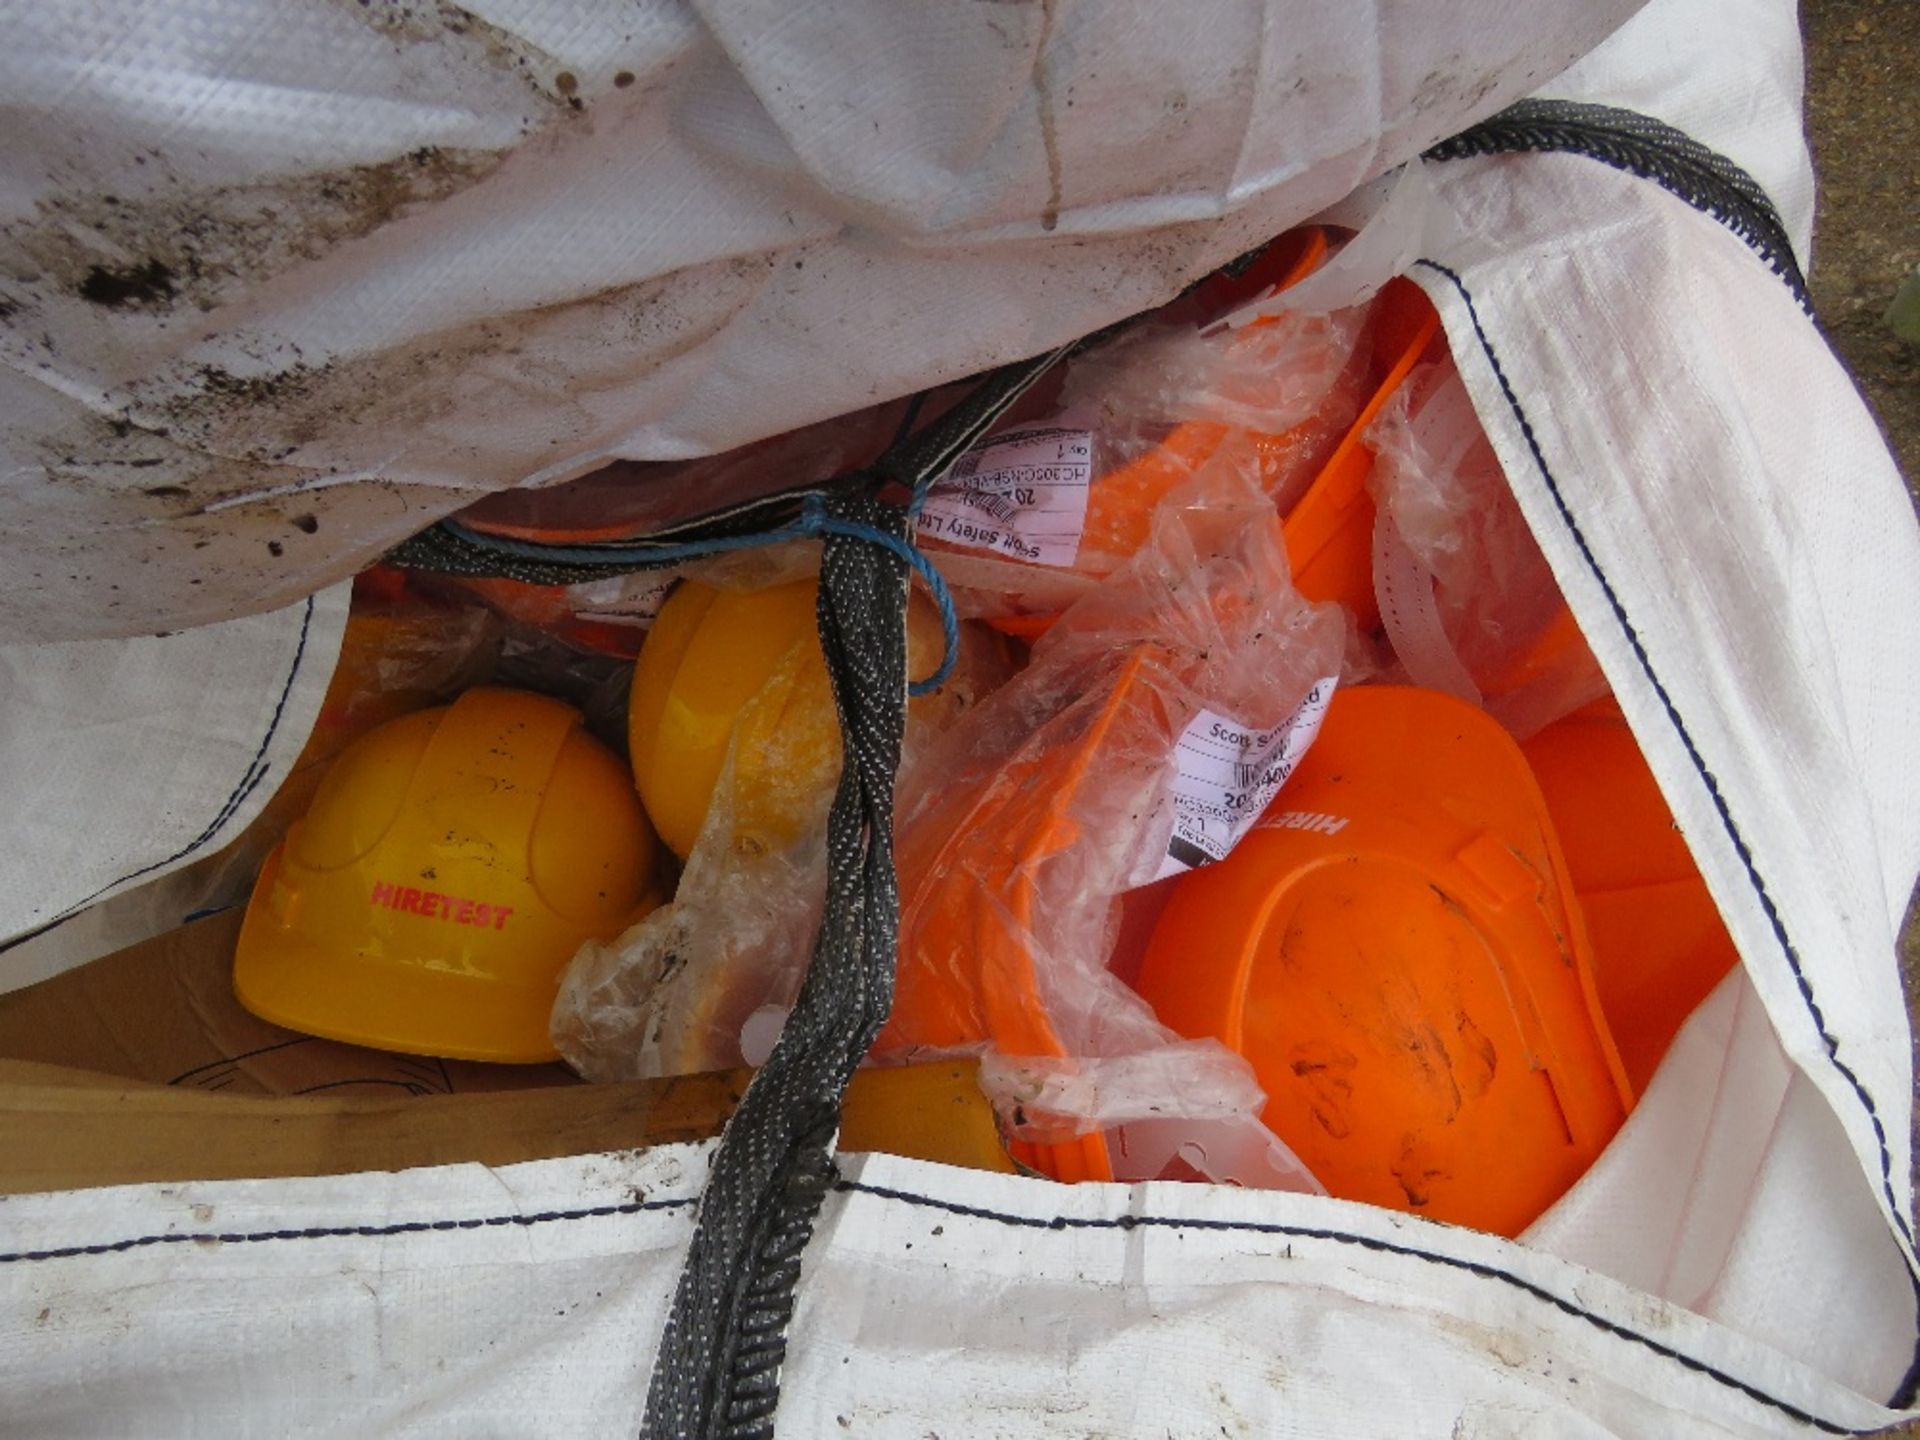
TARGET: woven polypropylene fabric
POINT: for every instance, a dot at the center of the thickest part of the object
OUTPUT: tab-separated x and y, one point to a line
1651	149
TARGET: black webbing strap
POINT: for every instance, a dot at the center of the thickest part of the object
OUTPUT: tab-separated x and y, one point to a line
718	1368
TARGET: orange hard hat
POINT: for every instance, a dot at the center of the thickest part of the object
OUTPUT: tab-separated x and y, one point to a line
1120	506
450	865
1121	503
1396	951
1659	944
1329	532
968	901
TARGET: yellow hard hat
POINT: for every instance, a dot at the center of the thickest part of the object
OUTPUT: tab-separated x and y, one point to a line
451	863
721	661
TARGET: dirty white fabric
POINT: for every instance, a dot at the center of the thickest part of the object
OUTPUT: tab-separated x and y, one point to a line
526	1301
280	283
1737	546
1744	561
1728	74
125	761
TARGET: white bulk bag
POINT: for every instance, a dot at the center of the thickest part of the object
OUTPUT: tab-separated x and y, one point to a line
1736	544
281	284
286	282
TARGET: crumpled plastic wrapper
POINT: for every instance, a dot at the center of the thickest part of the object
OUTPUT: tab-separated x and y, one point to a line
1021	826
1154	404
704	982
1290	382
1468	601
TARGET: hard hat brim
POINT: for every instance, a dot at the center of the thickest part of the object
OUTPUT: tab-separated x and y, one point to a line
339	993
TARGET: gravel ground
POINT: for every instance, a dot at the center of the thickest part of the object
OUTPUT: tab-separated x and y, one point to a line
1863	113
1863	116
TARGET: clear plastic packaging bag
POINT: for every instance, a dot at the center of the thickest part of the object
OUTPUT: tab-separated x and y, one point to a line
1467	599
1286	380
677	993
1043	507
703	982
1020	828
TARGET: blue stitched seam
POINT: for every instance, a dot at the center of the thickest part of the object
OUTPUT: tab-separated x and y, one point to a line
335	1232
1057	1224
250	779
1479	1269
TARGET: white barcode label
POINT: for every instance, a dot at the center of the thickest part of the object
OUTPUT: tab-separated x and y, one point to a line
1229	773
1022	494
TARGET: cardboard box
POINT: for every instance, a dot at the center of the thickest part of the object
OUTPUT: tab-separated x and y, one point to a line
163	1011
142	1067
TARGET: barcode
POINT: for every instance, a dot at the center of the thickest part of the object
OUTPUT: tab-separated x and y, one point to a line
1252	777
994	503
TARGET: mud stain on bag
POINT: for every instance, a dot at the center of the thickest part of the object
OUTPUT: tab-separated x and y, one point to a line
262	476
197	247
272	413
435	22
157	244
